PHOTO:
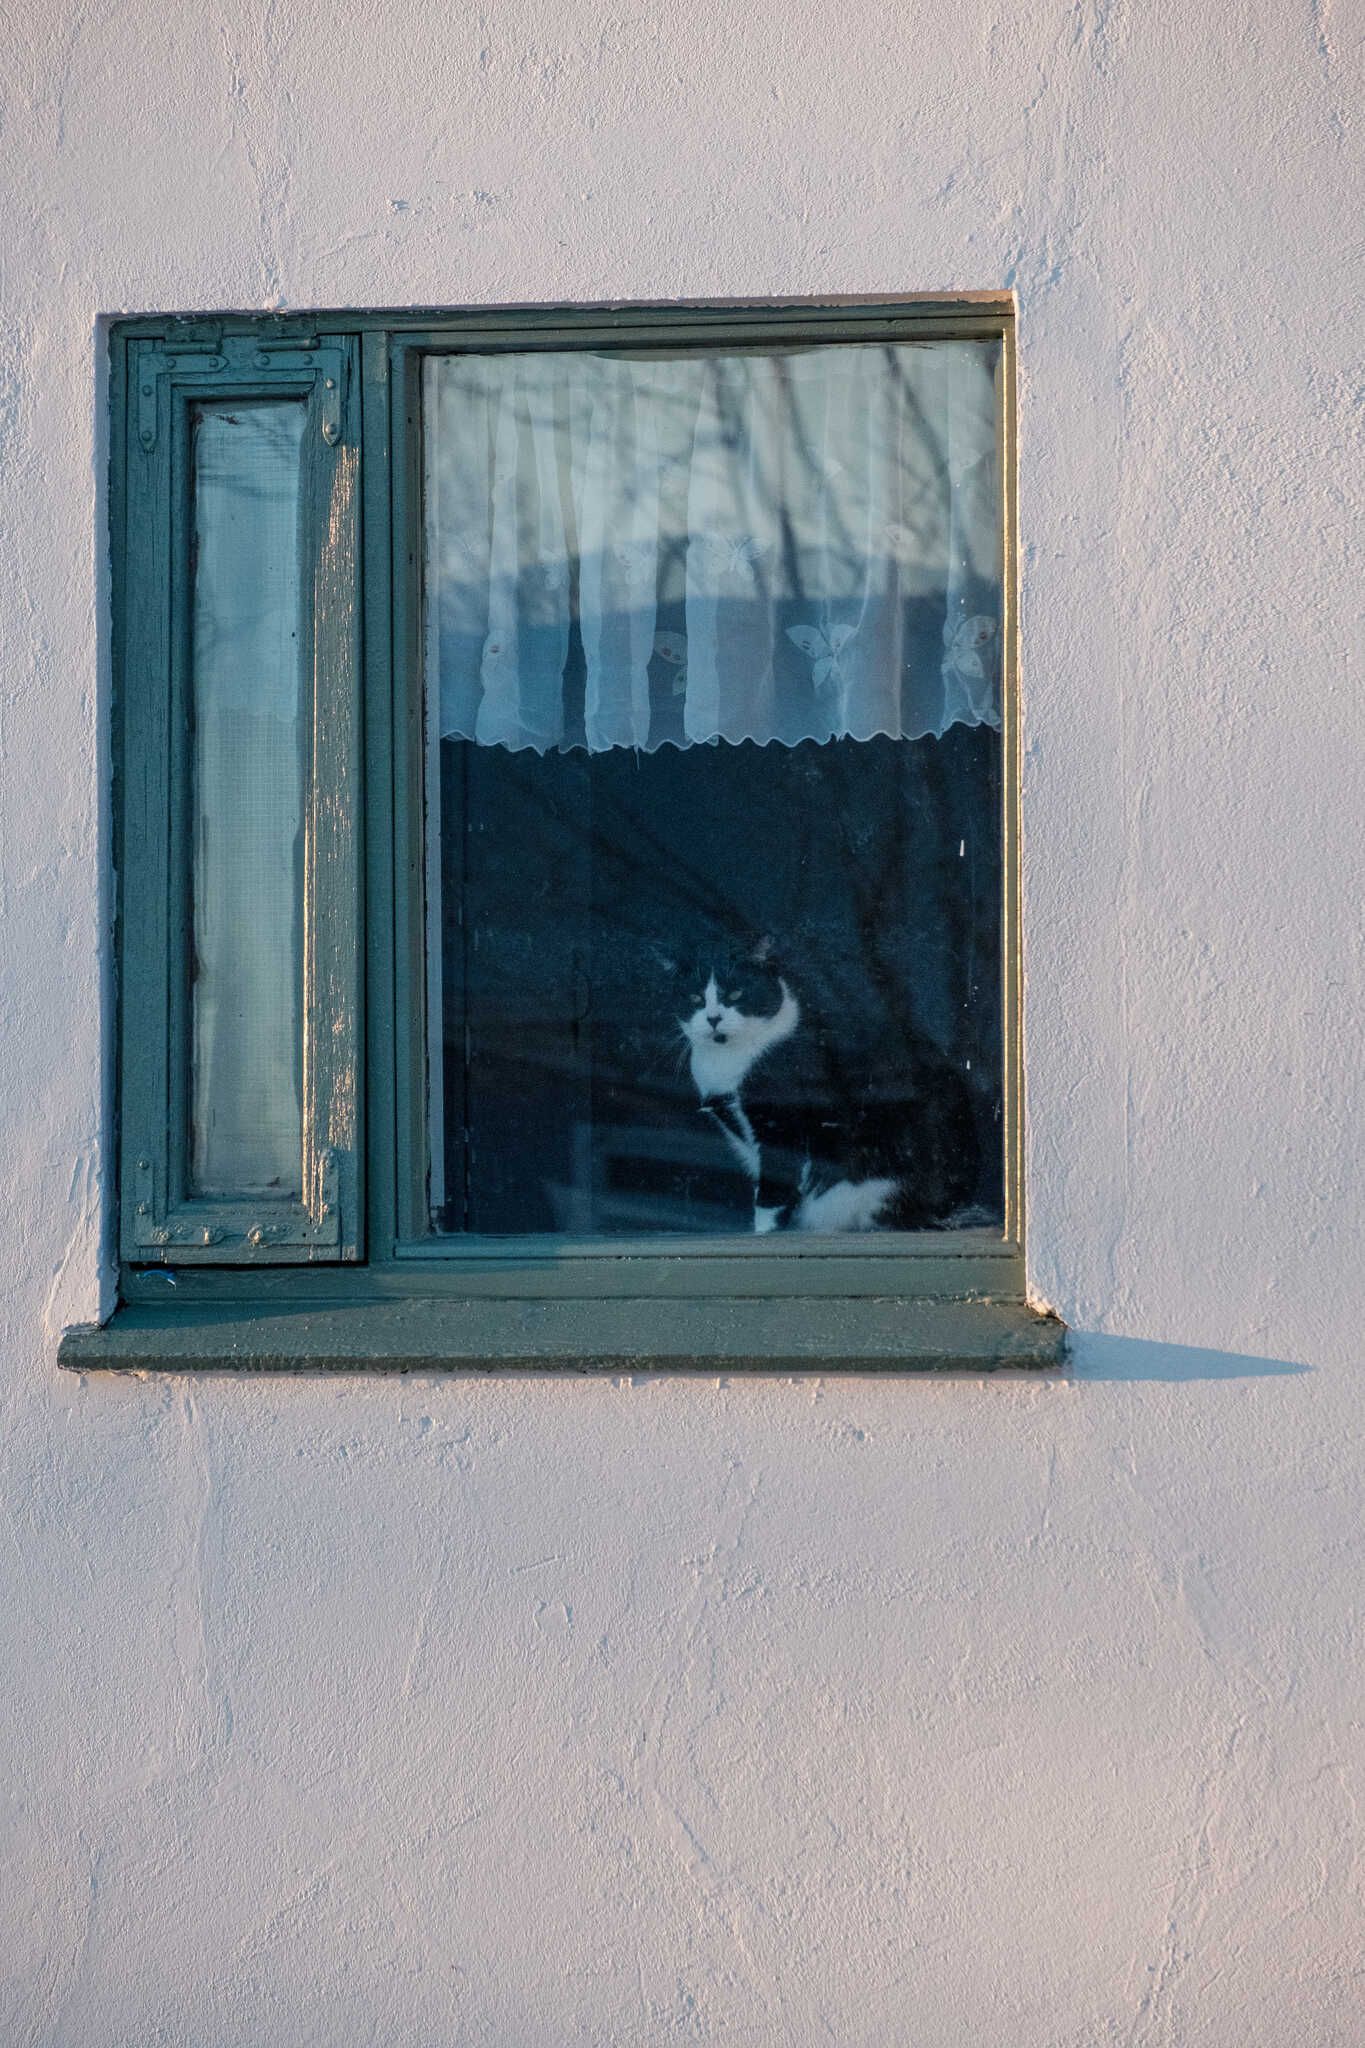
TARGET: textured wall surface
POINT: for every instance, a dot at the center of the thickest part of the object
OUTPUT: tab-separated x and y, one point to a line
765	1712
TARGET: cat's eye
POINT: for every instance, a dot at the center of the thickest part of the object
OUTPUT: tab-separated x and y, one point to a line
736	995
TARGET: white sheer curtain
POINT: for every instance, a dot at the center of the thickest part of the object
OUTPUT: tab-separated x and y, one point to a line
625	550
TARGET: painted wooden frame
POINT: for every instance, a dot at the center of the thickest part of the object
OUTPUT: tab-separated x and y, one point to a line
368	519
162	1221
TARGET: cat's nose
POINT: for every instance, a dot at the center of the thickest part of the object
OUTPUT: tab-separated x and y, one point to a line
713	1021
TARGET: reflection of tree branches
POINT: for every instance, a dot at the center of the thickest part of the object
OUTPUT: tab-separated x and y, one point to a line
872	889
556	396
565	812
647	853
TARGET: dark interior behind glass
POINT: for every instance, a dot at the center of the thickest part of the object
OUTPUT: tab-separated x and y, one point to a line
572	884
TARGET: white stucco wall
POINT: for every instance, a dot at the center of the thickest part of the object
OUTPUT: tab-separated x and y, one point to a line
867	1712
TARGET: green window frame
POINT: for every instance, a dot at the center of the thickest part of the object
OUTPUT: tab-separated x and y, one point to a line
345	1272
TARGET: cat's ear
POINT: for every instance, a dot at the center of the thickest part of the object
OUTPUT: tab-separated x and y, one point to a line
661	958
763	951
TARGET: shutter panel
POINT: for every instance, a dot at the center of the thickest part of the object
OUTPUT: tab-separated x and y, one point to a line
239	856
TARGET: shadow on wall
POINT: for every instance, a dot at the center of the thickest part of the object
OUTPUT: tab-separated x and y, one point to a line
1096	1357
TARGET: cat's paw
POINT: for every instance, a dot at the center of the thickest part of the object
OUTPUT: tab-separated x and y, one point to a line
766	1219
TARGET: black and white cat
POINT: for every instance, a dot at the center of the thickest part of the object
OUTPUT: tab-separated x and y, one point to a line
837	1129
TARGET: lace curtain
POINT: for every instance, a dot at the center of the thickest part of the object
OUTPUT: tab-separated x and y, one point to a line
625	550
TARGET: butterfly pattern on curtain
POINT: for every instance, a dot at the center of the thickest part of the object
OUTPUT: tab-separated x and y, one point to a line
630	550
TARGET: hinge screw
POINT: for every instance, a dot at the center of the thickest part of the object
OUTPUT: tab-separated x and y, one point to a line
329	383
262	359
144	1166
330	433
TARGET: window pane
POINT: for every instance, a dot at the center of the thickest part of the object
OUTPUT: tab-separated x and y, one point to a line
248	801
713	782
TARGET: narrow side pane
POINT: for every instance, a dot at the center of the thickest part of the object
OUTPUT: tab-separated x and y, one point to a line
249	717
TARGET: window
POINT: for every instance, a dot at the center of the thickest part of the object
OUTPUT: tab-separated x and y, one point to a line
565	839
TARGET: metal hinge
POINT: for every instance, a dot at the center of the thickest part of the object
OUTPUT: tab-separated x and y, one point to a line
262	351
200	350
203	351
319	1224
324	1224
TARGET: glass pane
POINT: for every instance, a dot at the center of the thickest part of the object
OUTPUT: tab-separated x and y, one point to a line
713	790
248	801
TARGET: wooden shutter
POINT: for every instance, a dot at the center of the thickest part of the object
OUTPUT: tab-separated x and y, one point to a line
169	1214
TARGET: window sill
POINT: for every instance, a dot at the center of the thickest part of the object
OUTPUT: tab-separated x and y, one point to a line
417	1334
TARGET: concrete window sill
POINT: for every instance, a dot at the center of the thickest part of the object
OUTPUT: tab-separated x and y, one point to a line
418	1334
